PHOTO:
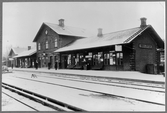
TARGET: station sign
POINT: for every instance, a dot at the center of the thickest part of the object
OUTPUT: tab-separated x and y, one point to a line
145	46
118	47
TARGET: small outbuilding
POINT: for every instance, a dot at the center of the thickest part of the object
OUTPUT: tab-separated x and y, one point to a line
26	59
12	53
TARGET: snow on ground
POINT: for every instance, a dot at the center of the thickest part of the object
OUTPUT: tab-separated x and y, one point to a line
9	104
84	99
104	73
17	106
146	95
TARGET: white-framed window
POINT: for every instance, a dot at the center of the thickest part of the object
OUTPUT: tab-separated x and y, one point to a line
106	58
46	44
119	58
162	58
56	42
97	58
112	58
39	46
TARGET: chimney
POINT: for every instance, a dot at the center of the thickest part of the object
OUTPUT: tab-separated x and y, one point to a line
61	22
100	34
29	47
143	22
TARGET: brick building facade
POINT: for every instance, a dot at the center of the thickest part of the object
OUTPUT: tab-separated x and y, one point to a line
51	37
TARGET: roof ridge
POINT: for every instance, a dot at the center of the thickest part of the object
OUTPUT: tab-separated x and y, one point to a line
121	30
135	34
64	26
125	30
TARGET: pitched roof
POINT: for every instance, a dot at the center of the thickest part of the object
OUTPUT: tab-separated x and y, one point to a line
26	53
120	37
114	38
66	30
17	50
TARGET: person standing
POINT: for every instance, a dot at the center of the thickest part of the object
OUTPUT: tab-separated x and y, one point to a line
49	65
55	65
36	65
12	66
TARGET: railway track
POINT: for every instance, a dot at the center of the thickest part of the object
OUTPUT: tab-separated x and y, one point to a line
109	80
123	81
114	80
116	84
23	103
46	101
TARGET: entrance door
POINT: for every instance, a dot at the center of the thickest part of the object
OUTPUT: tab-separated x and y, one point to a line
119	61
64	62
55	60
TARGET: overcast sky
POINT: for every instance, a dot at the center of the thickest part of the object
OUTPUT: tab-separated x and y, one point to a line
22	20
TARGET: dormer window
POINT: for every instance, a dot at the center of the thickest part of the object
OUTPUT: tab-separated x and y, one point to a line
46	44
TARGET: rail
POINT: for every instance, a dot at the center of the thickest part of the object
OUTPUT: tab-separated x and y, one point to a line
55	104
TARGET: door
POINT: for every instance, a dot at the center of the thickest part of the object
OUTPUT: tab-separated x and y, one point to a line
119	61
64	62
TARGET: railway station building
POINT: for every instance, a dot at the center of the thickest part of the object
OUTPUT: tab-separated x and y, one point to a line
51	37
136	49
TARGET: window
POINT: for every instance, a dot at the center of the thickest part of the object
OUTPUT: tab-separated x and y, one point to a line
100	57
55	42
162	58
39	46
46	44
46	32
106	58
119	58
97	58
81	59
112	58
